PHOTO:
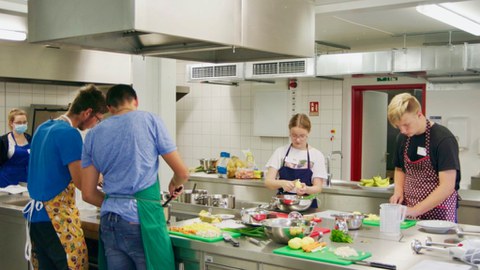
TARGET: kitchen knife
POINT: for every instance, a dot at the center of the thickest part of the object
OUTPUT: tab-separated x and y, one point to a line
373	264
228	238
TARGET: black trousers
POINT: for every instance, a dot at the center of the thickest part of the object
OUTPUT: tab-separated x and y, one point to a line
46	247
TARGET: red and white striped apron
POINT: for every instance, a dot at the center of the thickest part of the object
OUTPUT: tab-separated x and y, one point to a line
421	179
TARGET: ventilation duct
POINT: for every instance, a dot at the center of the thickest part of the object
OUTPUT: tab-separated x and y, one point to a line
288	68
213	31
442	64
354	63
473	58
225	74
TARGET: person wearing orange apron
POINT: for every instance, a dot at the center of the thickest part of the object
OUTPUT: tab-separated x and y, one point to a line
427	166
125	149
297	161
55	238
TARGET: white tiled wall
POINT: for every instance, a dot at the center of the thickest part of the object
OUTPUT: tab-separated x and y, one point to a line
22	95
213	118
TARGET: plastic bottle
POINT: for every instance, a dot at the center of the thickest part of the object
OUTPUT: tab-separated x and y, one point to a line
222	164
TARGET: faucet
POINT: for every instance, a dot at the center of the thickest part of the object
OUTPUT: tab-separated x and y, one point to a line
329	158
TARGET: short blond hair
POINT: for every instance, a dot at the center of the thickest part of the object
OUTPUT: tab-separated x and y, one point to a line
401	104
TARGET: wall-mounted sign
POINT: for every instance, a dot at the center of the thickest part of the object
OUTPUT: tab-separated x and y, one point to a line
313	108
387	79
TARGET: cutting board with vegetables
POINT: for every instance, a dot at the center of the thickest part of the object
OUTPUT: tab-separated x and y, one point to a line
325	255
204	239
404	225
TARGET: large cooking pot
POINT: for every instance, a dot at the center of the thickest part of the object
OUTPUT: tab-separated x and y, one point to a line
199	196
221	200
280	230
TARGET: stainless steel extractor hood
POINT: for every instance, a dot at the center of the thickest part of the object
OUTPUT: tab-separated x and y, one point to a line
216	31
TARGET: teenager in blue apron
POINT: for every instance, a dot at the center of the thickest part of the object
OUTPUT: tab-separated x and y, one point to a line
15	150
297	168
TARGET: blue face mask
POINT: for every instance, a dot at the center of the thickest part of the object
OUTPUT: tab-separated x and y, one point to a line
21	128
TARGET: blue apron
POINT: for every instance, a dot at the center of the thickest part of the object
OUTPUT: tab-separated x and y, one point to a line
305	175
15	169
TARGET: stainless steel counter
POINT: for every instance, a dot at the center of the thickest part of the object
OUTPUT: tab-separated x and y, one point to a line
248	256
384	249
342	195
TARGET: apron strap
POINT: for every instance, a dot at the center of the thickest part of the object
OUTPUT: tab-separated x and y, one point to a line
286	154
288	151
28	210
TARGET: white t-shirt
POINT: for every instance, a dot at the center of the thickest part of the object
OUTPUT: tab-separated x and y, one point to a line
297	159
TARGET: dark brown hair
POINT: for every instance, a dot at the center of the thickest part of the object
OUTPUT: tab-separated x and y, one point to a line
89	97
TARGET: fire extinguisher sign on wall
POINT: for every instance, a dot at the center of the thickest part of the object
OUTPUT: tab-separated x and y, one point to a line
313	108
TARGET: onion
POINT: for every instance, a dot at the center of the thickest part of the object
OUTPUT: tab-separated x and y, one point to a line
346	252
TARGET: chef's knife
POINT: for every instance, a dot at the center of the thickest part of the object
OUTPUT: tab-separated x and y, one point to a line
373	264
228	238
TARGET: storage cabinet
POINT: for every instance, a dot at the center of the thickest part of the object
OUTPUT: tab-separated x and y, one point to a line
219	262
187	259
273	267
12	241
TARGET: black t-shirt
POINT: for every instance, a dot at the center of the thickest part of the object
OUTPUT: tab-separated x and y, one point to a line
443	150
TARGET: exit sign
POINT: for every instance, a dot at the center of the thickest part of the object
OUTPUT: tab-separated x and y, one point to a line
387	79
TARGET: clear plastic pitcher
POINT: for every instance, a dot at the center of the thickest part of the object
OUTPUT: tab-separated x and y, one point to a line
391	217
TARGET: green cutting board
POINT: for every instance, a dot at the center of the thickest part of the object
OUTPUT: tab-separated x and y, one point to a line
204	239
324	255
404	225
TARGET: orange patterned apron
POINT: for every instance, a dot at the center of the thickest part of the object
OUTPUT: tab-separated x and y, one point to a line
65	219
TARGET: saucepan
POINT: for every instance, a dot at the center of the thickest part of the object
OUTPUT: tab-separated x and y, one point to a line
221	200
197	197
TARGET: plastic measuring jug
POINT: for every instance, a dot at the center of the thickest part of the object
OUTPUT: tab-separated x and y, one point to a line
391	217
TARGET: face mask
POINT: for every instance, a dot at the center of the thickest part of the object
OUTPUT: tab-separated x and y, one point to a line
21	128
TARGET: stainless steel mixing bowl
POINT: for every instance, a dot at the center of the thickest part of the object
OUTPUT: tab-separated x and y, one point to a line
288	203
280	230
353	221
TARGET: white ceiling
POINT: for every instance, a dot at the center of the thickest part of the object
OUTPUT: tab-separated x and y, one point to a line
384	24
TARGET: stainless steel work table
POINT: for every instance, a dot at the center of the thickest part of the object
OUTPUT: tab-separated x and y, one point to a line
368	238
